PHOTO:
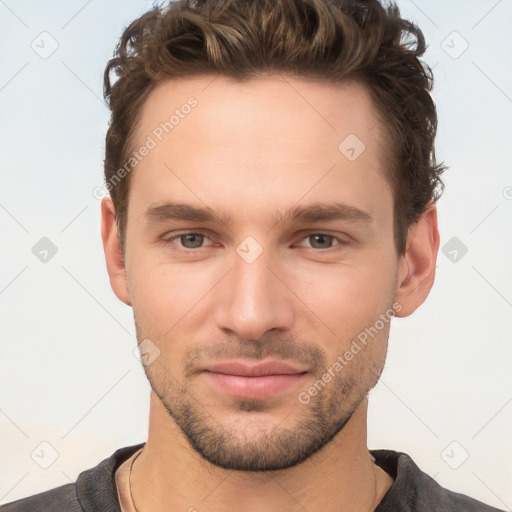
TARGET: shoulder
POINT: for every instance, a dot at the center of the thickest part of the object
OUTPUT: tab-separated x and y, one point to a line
94	490
415	491
60	499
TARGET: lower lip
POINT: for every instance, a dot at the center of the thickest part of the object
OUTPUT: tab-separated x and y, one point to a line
256	388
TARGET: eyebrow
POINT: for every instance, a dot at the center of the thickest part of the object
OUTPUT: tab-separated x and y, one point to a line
319	212
316	212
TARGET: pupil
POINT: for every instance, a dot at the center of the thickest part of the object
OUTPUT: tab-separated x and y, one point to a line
195	240
322	240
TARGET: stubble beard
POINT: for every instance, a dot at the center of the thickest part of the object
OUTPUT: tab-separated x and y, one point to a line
259	443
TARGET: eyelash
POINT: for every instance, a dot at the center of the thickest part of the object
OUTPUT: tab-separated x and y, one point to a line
166	242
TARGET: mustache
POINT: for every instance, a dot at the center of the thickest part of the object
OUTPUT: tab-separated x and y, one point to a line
269	346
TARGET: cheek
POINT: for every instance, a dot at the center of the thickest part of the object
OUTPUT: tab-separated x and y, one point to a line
163	300
347	299
164	294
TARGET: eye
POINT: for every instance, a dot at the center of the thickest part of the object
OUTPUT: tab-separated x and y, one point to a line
188	240
321	241
192	240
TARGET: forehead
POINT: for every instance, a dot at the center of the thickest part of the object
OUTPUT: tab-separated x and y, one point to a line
270	106
274	139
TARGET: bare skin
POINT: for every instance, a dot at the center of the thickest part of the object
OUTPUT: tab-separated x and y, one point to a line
252	151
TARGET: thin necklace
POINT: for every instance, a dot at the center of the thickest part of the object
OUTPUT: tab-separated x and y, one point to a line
130	481
372	508
375	494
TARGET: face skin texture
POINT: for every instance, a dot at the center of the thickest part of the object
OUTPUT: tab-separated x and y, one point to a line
298	290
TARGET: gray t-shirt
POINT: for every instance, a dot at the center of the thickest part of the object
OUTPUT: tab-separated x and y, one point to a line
95	489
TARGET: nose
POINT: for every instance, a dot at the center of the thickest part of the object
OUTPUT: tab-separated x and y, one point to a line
254	298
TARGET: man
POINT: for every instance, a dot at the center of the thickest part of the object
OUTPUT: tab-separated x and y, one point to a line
273	183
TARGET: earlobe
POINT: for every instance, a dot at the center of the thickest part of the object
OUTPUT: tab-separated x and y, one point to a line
112	249
417	266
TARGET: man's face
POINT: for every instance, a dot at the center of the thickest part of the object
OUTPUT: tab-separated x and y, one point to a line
261	284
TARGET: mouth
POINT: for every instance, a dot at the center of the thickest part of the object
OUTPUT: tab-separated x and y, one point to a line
253	381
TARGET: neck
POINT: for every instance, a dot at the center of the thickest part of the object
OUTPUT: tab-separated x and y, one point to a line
341	476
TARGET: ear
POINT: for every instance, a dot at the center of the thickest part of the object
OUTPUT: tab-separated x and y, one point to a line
112	248
417	267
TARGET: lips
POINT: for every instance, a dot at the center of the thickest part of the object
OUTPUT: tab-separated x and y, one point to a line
254	370
253	381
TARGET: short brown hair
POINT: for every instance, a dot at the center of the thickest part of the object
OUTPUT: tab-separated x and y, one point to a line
329	40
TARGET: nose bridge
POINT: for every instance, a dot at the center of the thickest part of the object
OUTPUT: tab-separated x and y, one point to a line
252	300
